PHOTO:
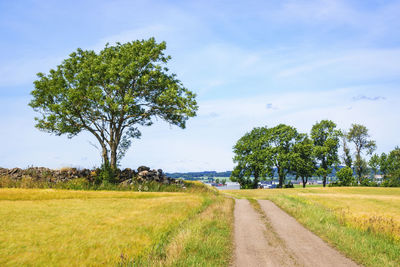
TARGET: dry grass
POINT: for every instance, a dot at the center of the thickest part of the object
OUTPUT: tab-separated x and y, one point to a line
80	228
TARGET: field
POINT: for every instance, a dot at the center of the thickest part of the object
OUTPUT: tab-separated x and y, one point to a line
49	227
363	223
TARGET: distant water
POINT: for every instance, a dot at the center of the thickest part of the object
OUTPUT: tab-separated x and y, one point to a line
228	186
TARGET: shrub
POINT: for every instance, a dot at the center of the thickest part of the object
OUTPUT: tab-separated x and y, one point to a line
345	176
289	185
105	173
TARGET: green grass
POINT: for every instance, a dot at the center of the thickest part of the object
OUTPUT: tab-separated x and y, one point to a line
49	227
361	222
204	240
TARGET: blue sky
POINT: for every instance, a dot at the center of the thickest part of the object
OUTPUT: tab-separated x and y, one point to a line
251	63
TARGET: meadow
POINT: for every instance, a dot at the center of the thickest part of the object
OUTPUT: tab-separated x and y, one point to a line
362	222
50	227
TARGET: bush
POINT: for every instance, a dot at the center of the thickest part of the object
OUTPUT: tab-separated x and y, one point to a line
289	185
345	176
105	174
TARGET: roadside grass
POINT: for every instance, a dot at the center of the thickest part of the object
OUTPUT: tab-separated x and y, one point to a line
361	222
50	227
203	240
206	240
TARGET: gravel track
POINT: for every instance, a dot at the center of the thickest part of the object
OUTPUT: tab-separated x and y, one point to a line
277	239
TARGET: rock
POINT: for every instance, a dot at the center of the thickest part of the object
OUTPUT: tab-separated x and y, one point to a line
143	168
143	173
126	182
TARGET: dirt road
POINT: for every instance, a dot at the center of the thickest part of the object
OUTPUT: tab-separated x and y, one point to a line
277	239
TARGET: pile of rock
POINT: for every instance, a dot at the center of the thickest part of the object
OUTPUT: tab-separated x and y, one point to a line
41	173
144	174
126	176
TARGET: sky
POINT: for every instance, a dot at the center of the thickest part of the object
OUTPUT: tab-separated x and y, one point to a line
251	64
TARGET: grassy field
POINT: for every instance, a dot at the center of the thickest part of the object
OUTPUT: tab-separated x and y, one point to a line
50	227
363	223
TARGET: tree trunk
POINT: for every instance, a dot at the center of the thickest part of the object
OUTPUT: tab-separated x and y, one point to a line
113	154
105	155
304	182
280	185
324	181
255	182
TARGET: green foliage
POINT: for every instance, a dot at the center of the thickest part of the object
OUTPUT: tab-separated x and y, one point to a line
105	174
110	94
374	163
259	151
251	158
345	176
347	159
361	169
359	136
282	138
289	185
326	144
304	165
393	168
384	164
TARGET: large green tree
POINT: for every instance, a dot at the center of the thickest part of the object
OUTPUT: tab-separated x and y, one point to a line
110	94
251	158
280	153
325	137
304	165
359	136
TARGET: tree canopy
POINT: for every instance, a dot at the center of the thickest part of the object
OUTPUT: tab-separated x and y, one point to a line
304	165
251	158
282	138
258	152
359	136
326	144
110	94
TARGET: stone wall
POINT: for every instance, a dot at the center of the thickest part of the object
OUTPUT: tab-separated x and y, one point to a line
126	176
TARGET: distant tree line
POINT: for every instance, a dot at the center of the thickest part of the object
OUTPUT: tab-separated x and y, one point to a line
197	175
282	149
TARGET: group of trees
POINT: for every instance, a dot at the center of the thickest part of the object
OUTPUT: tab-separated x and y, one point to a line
388	166
283	148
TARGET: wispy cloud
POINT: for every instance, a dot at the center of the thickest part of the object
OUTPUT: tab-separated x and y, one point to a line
270	106
363	97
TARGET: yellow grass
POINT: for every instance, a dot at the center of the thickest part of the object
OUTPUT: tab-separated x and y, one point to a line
86	228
